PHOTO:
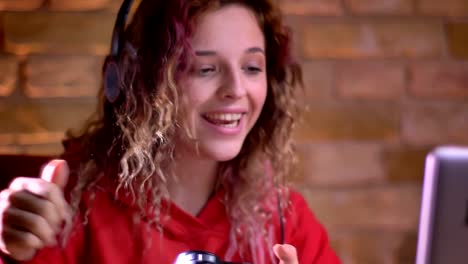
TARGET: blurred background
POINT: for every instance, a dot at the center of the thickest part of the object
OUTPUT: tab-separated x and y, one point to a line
386	81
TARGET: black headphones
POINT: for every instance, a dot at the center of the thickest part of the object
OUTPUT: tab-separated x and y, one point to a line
111	70
112	86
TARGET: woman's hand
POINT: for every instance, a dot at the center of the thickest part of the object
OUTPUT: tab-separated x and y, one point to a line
286	253
32	211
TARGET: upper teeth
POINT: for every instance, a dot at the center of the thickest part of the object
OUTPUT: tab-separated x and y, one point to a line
224	117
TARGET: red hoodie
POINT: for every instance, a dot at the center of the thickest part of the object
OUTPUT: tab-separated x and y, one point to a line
111	237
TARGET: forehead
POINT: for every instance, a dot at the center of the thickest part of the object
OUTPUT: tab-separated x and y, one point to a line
230	26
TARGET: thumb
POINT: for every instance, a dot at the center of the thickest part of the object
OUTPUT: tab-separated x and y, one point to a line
286	253
56	171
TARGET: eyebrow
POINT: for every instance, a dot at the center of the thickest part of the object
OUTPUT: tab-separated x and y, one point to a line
213	53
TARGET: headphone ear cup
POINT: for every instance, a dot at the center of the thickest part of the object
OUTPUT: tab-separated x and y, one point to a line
111	80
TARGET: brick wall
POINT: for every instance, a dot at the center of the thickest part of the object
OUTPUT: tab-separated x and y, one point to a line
386	81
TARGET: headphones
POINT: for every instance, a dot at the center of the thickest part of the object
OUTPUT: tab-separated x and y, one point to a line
112	78
111	71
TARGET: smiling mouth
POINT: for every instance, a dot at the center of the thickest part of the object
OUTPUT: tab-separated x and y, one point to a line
224	120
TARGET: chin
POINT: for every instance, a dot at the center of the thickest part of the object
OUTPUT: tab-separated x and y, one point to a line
220	153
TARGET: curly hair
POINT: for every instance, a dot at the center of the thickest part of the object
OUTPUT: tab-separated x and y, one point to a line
131	141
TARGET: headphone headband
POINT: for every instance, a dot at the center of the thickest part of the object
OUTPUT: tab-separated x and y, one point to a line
111	71
119	28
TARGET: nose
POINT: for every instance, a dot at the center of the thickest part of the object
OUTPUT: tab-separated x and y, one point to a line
233	85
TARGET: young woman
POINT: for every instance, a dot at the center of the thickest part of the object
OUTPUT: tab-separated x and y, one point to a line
189	152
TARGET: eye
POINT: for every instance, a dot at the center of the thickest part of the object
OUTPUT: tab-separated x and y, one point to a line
253	70
206	70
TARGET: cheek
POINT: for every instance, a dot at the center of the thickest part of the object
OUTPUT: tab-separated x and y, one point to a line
193	96
259	96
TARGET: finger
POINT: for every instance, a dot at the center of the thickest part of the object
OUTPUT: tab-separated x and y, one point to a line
26	201
20	242
36	186
286	253
30	223
56	171
4	199
20	245
42	189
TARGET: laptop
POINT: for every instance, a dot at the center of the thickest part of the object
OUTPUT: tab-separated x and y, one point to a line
443	223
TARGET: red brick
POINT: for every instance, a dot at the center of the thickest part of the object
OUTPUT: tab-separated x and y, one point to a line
454	8
78	5
32	142
349	121
20	5
351	40
63	76
457	37
2	31
40	137
435	123
375	81
439	80
336	164
363	246
9	74
41	122
404	163
51	149
405	253
295	24
58	32
115	5
6	139
318	80
391	208
312	7
393	7
10	149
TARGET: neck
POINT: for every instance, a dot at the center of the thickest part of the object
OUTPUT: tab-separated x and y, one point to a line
194	183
